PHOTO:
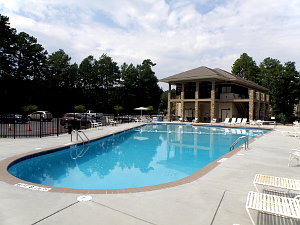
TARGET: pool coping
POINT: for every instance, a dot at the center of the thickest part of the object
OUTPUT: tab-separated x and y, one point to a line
10	179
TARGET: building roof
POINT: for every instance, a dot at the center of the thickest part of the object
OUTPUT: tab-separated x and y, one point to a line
205	73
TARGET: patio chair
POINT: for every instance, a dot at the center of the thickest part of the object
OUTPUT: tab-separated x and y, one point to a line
273	205
213	120
244	122
233	121
145	119
252	123
286	184
238	121
111	121
226	121
137	119
259	122
294	154
95	124
296	123
195	120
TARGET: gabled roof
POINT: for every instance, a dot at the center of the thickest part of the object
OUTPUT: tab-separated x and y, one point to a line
205	73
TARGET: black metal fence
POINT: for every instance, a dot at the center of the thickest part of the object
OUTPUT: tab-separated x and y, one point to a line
12	126
39	128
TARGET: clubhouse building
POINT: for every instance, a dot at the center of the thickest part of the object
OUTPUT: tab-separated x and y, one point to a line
203	94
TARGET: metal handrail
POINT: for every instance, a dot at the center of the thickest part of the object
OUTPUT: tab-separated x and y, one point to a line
78	135
84	135
73	131
237	140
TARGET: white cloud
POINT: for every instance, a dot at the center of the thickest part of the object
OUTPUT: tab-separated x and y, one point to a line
174	34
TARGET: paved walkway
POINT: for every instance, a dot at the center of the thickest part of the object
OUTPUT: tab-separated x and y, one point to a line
217	198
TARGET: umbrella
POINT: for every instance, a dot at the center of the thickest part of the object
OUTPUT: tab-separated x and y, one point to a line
141	108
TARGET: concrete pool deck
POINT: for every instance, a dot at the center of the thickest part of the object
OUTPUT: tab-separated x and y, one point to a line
216	198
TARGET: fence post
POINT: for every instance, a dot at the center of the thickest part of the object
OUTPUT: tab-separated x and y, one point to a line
40	126
57	126
14	126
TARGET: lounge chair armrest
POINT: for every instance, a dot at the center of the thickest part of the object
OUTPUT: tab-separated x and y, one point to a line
297	197
294	152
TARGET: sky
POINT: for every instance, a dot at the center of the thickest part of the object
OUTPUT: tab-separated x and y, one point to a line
177	35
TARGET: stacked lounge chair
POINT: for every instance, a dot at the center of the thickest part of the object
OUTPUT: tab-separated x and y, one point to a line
273	182
274	204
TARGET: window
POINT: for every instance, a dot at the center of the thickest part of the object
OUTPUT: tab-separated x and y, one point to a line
226	89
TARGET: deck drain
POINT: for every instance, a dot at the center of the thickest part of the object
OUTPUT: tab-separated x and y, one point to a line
84	198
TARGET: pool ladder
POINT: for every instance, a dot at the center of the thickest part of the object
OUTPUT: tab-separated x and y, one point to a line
237	141
79	136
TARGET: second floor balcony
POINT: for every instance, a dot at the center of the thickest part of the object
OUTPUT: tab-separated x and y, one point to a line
223	92
220	96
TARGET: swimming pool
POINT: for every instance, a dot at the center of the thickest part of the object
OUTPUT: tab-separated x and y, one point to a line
143	156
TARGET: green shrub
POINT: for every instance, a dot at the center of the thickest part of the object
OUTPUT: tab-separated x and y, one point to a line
29	108
80	108
281	118
118	108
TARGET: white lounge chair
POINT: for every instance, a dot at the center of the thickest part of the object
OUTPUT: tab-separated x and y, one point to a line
213	121
233	120
244	122
259	122
286	184
294	154
238	121
274	205
226	121
256	122
145	119
252	123
296	123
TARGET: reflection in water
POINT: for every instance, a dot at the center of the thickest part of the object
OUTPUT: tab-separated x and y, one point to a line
150	155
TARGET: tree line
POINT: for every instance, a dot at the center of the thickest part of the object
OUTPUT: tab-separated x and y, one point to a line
31	76
282	81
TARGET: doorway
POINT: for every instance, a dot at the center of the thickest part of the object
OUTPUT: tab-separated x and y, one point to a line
225	114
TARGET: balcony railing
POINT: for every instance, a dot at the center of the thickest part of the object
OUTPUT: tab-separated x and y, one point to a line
231	96
221	96
173	96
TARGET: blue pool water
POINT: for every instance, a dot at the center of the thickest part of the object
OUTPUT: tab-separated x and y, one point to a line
148	155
